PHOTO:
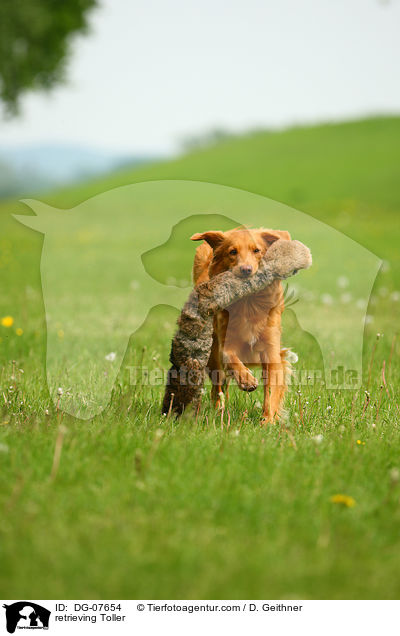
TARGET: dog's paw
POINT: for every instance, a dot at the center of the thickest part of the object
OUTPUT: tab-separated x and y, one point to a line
267	420
271	418
246	381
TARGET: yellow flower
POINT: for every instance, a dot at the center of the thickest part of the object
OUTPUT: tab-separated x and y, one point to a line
360	443
7	321
19	331
344	500
60	334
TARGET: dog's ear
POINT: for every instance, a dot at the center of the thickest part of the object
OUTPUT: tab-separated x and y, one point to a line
270	236
212	238
283	234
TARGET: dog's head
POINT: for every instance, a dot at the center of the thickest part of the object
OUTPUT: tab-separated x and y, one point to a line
239	250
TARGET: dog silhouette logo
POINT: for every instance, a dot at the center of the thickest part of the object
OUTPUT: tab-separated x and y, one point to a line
26	615
110	261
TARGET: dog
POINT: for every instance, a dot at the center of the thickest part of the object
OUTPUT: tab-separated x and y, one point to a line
248	333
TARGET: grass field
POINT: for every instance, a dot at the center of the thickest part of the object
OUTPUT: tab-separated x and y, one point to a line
130	505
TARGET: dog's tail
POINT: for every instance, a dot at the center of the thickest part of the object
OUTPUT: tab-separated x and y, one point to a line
288	358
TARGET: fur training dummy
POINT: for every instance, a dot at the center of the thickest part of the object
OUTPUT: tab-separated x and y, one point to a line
191	345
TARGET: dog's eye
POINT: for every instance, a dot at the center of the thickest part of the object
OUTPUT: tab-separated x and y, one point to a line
233	252
256	250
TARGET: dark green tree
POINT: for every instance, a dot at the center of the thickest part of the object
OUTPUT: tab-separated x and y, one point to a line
34	43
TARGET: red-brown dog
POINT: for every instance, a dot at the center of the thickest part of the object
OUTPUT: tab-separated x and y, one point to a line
249	332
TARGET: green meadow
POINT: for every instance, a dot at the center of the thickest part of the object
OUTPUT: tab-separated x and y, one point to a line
130	504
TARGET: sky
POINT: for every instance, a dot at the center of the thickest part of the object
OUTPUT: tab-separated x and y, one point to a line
152	73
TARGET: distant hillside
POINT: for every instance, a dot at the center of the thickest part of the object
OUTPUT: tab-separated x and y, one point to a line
346	174
35	168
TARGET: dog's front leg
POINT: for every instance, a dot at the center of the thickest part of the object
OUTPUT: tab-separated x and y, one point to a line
243	376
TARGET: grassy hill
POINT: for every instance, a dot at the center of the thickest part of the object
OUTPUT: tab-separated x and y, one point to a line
210	506
346	174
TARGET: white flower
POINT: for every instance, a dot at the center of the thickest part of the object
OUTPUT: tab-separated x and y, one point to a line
326	299
291	357
346	297
60	391
257	404
46	412
318	438
361	303
328	408
111	356
342	282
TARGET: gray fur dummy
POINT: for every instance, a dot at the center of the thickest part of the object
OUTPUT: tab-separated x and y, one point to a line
191	345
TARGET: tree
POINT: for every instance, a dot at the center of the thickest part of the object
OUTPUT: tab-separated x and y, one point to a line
34	44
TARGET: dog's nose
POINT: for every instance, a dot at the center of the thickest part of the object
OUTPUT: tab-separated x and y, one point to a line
245	270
